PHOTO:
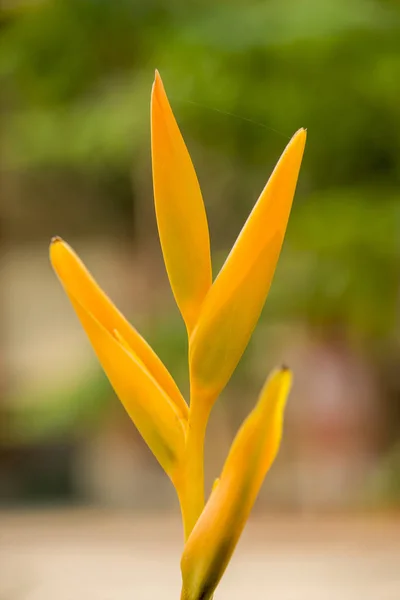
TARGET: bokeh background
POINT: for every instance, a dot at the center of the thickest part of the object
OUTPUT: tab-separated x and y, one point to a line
242	77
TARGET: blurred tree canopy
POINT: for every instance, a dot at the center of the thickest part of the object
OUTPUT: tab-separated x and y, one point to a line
242	77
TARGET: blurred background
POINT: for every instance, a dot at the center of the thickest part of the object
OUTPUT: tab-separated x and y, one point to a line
242	77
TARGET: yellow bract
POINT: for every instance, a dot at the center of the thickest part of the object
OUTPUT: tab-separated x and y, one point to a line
80	284
216	533
160	420
234	303
219	318
181	216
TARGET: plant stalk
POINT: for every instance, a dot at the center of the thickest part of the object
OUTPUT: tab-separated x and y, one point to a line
191	488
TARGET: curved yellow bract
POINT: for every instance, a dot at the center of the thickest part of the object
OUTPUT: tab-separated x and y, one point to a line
234	303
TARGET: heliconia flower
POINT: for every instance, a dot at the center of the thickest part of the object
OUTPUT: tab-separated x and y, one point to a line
220	318
234	303
217	531
181	216
139	378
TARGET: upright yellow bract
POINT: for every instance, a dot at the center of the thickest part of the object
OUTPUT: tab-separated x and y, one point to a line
181	216
234	303
220	318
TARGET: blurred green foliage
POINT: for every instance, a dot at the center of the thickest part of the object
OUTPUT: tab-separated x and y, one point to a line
242	77
53	415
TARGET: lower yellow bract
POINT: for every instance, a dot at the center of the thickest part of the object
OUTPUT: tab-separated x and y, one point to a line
216	533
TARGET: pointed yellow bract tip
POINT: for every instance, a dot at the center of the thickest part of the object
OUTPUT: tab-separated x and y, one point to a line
157	77
158	87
